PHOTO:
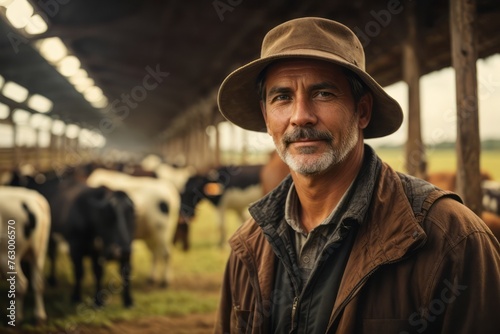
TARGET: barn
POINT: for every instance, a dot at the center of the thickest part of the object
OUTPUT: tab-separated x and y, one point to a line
105	84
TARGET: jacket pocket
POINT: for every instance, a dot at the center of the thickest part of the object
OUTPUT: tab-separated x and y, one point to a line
241	321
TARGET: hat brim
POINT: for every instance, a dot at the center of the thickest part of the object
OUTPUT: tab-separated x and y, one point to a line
238	99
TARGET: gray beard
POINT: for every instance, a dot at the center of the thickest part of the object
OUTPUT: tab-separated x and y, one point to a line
305	162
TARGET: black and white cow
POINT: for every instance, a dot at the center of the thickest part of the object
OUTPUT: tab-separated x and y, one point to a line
227	187
24	234
491	196
100	225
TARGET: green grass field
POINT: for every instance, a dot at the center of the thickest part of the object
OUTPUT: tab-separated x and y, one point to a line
443	160
196	275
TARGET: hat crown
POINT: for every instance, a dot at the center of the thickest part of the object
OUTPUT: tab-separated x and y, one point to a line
305	38
315	34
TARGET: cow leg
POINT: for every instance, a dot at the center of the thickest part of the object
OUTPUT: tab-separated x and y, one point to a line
38	286
165	261
181	235
222	226
126	272
77	259
97	266
52	252
153	248
21	288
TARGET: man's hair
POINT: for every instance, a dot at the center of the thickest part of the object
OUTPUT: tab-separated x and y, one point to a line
358	87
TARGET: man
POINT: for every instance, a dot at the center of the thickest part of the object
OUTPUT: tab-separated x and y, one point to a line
345	244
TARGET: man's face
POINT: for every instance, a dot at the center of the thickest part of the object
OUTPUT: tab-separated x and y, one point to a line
311	114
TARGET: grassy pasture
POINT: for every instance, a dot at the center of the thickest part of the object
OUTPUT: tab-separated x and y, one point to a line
443	160
194	288
196	275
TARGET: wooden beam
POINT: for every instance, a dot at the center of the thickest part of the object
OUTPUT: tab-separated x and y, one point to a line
464	55
415	150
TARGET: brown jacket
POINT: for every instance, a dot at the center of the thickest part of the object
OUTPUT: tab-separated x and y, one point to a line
427	273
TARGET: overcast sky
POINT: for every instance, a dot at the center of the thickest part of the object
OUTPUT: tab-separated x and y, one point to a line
438	110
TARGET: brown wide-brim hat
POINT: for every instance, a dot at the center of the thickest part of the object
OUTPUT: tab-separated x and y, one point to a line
314	38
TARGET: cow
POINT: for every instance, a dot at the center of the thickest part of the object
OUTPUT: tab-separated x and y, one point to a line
178	176
24	234
60	188
227	187
97	213
157	204
100	224
491	196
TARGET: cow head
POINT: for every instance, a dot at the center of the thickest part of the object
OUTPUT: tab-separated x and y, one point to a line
197	188
112	214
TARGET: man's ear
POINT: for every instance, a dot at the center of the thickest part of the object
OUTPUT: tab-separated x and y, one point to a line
364	109
264	114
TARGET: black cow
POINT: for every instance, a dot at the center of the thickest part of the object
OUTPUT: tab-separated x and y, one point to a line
227	187
100	224
60	189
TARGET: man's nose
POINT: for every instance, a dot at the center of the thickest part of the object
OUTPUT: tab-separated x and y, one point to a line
303	112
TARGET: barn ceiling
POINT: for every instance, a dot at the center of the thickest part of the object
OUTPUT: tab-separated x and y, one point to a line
155	60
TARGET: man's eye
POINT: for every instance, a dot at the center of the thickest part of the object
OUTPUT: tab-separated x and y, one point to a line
324	94
281	98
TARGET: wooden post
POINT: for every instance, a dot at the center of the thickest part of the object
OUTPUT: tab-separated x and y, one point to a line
15	149
244	147
415	151
217	146
464	56
37	148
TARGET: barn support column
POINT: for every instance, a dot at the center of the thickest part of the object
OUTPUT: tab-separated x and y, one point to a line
464	56
415	149
205	154
37	148
244	147
15	148
52	148
14	152
179	153
200	149
217	146
185	148
192	148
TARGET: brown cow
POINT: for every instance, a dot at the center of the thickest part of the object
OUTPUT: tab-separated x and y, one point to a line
448	180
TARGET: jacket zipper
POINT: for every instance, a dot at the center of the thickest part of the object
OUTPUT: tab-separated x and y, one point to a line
294	311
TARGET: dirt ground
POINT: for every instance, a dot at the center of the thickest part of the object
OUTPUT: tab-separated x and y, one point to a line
191	324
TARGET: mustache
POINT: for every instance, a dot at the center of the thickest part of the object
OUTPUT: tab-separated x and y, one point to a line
306	133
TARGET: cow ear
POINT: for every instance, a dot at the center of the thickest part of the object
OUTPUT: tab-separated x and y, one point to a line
213	189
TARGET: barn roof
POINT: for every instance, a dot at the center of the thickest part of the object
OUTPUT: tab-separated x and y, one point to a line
156	60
